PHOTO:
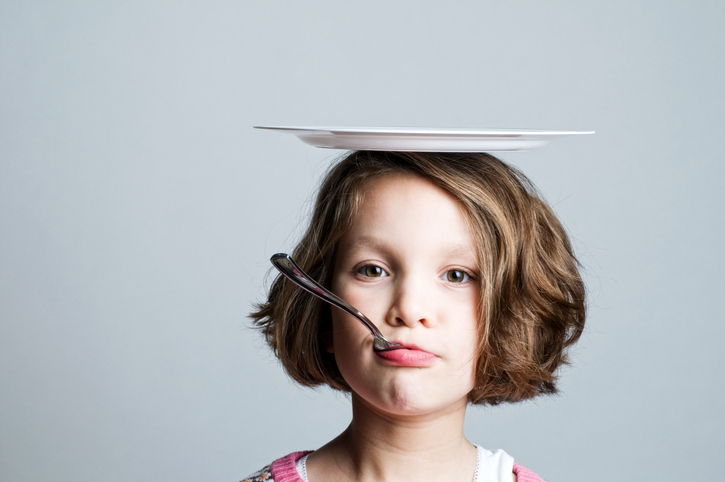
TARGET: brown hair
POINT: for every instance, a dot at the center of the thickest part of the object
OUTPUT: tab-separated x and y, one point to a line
532	298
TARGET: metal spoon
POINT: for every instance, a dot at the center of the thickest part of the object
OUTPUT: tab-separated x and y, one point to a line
284	263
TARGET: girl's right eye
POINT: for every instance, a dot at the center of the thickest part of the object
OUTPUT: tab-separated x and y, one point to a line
372	271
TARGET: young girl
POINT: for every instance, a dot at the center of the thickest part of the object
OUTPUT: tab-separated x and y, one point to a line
453	256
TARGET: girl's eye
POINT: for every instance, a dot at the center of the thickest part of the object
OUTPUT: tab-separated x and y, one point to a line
372	271
457	276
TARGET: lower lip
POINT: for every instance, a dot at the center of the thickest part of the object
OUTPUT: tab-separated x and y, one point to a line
407	357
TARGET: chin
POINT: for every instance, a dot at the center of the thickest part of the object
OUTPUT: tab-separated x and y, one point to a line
410	401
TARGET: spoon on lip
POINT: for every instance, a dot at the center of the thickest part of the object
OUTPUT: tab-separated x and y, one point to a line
284	263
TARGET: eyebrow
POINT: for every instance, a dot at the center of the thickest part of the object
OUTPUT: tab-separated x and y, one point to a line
378	244
367	242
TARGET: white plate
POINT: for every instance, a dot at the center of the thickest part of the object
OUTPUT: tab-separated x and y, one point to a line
423	139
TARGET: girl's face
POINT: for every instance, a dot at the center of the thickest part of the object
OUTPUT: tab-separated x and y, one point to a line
408	263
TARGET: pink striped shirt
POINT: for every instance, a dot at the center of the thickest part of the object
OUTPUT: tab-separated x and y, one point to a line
284	470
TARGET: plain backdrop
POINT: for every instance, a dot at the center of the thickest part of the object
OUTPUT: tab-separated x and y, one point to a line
138	210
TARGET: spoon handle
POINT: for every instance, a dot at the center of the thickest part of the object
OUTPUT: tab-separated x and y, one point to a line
284	263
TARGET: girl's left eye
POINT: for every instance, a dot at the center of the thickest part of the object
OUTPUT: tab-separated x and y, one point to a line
457	276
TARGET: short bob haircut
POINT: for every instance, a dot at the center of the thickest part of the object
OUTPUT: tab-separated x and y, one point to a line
532	298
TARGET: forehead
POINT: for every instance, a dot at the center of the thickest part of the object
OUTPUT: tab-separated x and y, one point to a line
409	211
392	193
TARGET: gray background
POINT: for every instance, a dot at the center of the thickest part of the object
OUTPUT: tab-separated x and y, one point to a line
138	209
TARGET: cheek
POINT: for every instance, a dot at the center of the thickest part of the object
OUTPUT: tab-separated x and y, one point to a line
348	337
373	302
467	339
351	349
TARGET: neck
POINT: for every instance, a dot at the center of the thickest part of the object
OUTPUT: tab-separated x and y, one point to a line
378	446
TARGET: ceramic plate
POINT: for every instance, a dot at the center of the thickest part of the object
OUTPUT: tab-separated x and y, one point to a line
423	139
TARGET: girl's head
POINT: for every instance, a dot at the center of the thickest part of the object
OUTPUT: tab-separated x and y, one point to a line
529	295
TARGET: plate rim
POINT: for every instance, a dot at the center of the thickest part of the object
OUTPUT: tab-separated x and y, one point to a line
424	131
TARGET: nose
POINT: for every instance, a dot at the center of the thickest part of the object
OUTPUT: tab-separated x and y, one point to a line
411	304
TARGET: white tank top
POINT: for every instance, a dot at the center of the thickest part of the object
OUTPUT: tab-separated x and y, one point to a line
495	466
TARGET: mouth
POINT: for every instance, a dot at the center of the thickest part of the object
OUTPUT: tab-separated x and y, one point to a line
407	356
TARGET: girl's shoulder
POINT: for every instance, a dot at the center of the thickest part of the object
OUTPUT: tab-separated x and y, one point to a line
260	476
498	465
281	470
525	475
